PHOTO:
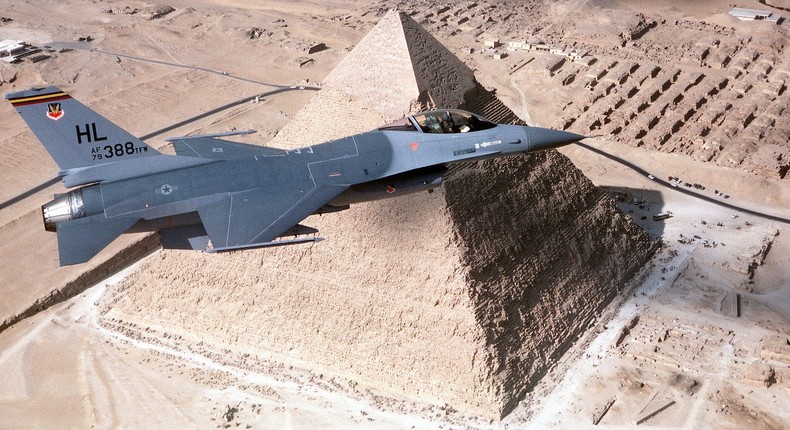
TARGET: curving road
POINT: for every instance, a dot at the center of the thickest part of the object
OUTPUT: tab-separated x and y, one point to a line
688	192
523	98
184	66
83	46
284	88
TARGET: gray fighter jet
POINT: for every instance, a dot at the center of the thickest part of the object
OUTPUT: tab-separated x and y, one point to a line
218	195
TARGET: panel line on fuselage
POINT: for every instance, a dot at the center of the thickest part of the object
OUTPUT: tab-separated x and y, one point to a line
329	146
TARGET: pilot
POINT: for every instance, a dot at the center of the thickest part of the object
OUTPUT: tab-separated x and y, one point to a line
433	124
447	122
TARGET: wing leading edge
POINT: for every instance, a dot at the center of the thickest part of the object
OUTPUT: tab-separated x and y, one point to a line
219	149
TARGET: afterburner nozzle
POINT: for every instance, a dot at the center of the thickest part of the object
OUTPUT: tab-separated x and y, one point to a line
65	207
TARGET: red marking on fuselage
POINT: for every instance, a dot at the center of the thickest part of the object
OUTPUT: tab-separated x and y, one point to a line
414	146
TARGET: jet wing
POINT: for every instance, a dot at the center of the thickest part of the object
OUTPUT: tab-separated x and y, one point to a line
219	149
254	218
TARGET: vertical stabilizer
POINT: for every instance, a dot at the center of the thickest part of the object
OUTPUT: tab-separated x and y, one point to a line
74	135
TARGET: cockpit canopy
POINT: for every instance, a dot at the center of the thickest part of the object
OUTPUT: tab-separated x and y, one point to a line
441	121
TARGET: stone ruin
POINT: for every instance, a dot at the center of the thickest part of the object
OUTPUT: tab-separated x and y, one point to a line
465	296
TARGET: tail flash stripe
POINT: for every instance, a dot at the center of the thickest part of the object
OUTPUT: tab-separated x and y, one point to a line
40	99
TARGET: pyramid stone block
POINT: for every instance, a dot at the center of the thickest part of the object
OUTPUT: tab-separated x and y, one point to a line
465	296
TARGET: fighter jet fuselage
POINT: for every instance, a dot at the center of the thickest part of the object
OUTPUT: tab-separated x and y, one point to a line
218	195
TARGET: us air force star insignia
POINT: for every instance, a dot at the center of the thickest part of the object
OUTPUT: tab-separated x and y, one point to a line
166	189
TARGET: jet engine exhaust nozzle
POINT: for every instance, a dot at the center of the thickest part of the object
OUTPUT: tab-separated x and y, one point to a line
65	207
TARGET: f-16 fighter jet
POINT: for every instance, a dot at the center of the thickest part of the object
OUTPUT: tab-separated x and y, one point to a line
217	195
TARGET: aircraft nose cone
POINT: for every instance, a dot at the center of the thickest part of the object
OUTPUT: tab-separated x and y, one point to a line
541	139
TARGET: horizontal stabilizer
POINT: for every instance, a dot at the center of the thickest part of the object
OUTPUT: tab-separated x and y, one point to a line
218	149
79	240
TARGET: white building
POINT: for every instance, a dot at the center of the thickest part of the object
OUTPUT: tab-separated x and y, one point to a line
11	50
755	15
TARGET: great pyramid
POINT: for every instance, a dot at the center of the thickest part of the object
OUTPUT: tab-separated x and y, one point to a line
464	296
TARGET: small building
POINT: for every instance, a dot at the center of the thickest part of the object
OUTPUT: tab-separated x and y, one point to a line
587	60
540	48
516	45
576	56
10	50
318	47
755	15
547	65
491	43
535	45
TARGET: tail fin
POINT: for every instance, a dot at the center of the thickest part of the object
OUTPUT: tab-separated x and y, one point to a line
74	135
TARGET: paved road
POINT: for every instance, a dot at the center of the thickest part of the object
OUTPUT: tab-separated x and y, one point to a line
684	190
523	98
83	46
225	107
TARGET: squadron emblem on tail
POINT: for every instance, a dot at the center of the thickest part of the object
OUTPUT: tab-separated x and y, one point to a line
54	111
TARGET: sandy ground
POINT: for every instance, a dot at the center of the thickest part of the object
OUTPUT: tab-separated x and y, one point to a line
73	366
103	378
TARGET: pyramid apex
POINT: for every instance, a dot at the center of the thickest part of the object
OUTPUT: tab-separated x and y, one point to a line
398	65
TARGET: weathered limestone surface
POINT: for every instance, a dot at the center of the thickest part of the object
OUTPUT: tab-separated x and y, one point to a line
398	61
463	296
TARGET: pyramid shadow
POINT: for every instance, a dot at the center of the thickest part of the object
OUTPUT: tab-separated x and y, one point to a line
641	205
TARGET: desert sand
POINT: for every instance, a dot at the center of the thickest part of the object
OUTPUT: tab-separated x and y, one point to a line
698	338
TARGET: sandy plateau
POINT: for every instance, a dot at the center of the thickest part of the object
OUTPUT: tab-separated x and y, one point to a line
699	338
